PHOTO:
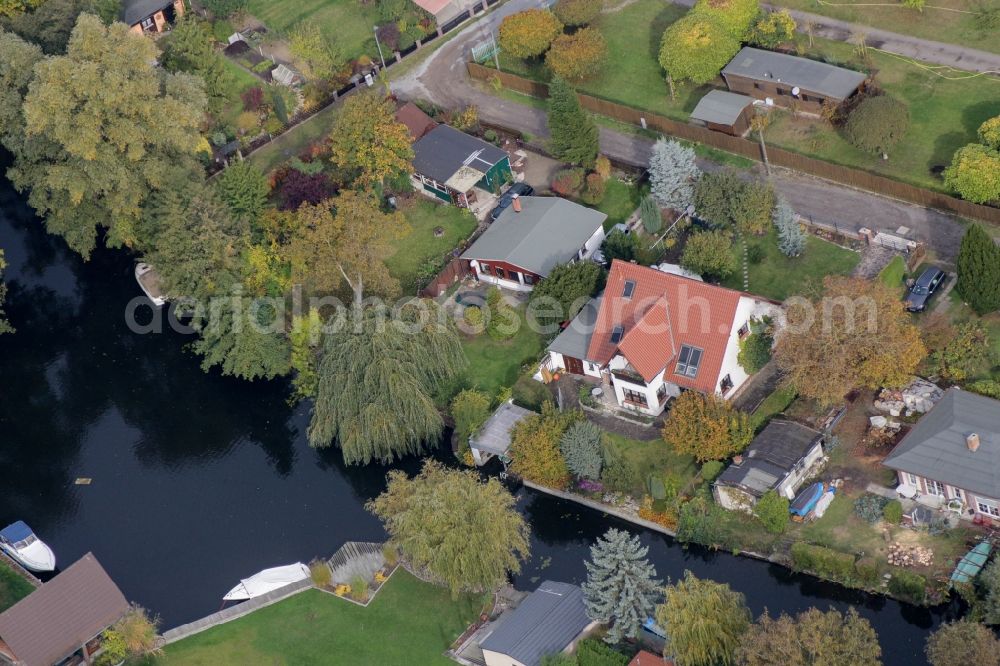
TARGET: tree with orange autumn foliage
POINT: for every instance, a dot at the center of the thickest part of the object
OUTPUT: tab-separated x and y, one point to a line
706	426
528	34
577	56
857	335
534	446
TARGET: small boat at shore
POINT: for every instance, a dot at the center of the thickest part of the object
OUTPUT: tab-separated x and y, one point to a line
149	282
267	580
18	541
972	563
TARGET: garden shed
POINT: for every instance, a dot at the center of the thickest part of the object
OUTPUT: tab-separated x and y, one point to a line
724	112
493	439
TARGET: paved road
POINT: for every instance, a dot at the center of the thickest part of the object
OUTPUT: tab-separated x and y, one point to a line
443	79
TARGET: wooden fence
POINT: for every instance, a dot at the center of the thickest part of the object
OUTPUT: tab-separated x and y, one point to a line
454	270
857	178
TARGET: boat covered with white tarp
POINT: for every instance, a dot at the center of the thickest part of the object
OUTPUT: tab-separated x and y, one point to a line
267	580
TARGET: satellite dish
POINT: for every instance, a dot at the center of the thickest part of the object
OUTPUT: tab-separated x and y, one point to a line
795	91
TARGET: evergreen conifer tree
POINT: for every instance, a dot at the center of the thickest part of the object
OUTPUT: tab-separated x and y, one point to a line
791	239
621	587
672	174
581	447
574	134
979	271
652	218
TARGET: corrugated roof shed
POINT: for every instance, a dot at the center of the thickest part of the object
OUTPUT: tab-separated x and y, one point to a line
545	623
721	107
547	231
936	447
56	619
494	436
810	75
444	150
771	455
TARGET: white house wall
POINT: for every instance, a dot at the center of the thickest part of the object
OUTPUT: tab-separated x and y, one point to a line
593	243
793	481
747	309
497	659
487	278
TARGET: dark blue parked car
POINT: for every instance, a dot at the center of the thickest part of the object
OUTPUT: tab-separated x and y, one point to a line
520	189
922	290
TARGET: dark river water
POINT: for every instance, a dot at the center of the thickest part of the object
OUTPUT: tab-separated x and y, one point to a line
199	480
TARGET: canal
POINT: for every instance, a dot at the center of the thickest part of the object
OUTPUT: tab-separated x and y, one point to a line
197	480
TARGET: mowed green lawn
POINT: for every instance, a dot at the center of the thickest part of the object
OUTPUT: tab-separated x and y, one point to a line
778	277
409	622
944	113
349	22
13	587
495	364
420	245
655	458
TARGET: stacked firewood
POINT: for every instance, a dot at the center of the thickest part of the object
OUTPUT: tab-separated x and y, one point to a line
908	556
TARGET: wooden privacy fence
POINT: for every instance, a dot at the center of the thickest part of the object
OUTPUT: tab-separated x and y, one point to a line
454	270
857	178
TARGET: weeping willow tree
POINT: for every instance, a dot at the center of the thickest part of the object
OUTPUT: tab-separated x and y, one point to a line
464	532
376	381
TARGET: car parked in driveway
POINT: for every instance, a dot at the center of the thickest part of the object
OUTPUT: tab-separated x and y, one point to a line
519	189
923	289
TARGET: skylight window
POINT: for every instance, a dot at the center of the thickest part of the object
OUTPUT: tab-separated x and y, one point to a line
616	334
688	361
629	288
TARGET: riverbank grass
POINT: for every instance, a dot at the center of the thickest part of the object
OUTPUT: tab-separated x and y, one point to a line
409	622
13	587
420	251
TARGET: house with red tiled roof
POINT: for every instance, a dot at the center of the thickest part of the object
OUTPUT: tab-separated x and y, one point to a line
656	333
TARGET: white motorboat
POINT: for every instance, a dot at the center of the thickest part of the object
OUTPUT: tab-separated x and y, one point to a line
18	541
266	581
149	282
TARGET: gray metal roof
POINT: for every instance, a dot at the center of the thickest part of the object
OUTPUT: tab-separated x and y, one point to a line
721	107
547	231
575	338
779	447
494	436
444	150
134	11
936	447
810	75
545	623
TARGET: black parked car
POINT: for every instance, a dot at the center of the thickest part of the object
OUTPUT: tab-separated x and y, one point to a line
520	189
922	290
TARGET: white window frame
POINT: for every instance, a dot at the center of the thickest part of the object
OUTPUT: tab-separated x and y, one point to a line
988	507
914	480
934	486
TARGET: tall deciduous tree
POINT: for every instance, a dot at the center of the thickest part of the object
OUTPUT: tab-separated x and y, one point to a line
469	409
463	531
565	291
877	124
244	189
51	23
856	335
773	29
104	154
705	622
791	238
17	65
367	141
245	337
574	134
812	637
673	172
578	56
534	446
988	587
706	426
979	270
582	449
696	48
348	236
961	643
736	16
621	589
376	381
316	54
975	173
724	198
709	253
989	133
577	12
528	34
15	7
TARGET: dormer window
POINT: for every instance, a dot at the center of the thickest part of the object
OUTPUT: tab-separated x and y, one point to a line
629	288
616	334
688	361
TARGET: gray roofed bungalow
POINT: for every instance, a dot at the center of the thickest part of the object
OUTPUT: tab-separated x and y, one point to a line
150	15
953	454
548	621
724	112
450	164
493	439
780	458
530	237
776	76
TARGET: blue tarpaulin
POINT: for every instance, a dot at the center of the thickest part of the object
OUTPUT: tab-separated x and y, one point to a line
806	500
16	532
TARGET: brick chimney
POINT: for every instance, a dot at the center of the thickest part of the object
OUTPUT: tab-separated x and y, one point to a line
737	460
972	441
516	203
